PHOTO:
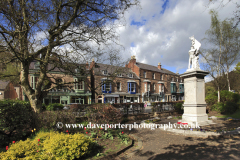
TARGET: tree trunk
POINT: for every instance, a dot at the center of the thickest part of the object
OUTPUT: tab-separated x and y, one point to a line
35	104
228	82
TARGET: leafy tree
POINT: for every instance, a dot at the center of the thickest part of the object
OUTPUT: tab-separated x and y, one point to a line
57	32
223	3
222	49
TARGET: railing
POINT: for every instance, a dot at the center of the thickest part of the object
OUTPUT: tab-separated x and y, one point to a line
128	108
164	106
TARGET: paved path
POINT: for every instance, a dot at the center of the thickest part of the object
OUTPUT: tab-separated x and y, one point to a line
159	144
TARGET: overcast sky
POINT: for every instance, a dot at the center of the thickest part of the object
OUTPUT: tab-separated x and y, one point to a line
160	30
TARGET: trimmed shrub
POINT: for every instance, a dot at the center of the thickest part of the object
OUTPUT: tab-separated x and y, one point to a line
54	107
15	120
52	145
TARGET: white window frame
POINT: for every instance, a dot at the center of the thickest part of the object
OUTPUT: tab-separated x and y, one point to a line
144	74
133	87
153	76
148	87
119	75
105	72
130	75
119	86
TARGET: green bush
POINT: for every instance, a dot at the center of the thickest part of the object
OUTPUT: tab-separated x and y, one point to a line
179	108
229	102
50	145
211	99
15	120
44	107
54	107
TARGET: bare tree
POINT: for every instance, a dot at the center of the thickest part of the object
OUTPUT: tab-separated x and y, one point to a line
62	31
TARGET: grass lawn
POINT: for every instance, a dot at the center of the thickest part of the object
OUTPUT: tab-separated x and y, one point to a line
234	115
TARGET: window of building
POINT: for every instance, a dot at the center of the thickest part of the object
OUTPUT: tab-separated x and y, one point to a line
118	86
145	85
78	84
161	87
148	87
172	79
106	86
132	87
119	74
144	74
177	79
153	76
181	80
105	72
130	75
161	77
34	81
154	86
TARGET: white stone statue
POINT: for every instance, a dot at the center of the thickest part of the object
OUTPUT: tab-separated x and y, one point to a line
193	54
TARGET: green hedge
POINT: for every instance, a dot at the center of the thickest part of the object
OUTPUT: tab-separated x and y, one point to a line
229	102
54	107
15	120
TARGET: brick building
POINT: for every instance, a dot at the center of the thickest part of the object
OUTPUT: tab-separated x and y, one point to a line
77	92
136	82
8	91
113	84
157	83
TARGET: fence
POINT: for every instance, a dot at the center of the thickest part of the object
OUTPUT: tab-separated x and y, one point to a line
128	108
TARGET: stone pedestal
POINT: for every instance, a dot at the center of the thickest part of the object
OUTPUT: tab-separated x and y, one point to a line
194	92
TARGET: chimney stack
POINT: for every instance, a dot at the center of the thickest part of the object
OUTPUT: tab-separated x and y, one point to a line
87	66
92	64
159	66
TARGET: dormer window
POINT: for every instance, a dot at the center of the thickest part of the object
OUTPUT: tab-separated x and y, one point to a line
105	72
130	75
119	74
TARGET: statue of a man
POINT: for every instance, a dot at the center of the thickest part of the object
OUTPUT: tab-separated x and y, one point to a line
193	54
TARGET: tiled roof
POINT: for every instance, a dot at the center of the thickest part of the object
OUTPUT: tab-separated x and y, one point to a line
53	68
99	68
154	68
3	84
